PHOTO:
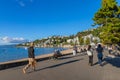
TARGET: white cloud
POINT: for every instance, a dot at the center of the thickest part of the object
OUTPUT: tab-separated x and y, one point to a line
8	40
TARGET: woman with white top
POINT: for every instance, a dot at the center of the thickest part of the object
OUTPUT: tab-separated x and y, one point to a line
90	55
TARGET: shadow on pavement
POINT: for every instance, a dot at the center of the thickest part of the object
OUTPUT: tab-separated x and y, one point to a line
61	64
113	61
95	63
71	56
61	58
104	62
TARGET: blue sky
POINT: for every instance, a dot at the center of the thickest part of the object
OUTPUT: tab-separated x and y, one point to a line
35	19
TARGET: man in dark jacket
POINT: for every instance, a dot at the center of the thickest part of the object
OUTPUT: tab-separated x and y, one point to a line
99	50
31	58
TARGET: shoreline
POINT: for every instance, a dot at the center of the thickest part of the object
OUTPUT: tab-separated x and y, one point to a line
20	62
10	53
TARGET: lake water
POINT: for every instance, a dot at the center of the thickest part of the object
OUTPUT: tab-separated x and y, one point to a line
10	52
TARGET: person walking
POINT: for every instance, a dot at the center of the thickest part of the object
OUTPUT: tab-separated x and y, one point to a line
90	55
99	50
31	58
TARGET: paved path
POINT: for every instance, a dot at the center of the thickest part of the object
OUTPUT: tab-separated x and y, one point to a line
67	68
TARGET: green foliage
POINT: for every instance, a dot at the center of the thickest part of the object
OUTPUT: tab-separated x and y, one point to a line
95	41
71	36
84	33
37	41
87	41
81	40
108	18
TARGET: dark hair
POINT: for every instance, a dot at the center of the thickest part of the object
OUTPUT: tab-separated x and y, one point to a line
99	45
89	46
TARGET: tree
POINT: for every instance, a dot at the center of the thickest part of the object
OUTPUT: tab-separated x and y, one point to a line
108	18
37	41
87	41
81	40
95	41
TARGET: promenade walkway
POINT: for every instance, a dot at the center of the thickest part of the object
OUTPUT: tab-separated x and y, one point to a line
67	68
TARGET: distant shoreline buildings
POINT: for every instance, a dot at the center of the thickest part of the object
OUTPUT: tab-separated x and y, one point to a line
63	41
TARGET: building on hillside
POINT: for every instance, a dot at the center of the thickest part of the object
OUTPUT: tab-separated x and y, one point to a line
92	38
96	38
69	40
74	40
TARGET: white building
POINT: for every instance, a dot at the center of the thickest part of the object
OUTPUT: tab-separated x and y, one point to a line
69	40
92	38
74	40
